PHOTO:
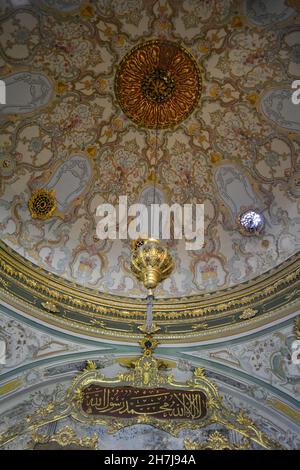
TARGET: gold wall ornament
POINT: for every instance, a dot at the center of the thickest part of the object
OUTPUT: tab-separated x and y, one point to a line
42	204
3	282
65	437
146	372
248	313
94	398
215	441
126	402
90	365
158	84
151	263
50	307
216	412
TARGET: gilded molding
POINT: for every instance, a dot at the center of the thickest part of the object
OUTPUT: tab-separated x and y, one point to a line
80	309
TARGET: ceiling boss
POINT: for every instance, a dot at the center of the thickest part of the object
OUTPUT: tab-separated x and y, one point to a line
158	84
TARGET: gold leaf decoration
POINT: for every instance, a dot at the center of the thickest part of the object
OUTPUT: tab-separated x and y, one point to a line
42	204
158	84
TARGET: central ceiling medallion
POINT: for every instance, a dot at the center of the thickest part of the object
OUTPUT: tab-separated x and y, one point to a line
158	84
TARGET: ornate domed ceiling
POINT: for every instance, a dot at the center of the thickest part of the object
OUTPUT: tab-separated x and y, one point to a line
233	143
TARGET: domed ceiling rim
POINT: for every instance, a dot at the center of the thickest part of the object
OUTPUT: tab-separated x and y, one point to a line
8	255
58	302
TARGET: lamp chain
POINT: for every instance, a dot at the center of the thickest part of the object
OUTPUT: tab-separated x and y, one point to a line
150	297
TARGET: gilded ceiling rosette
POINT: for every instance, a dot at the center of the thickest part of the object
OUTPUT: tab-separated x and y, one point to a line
158	84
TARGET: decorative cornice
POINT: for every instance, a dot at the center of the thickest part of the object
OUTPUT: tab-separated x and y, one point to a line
186	319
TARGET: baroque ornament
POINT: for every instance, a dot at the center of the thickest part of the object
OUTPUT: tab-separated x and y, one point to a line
42	204
158	84
136	397
248	313
215	441
66	437
50	307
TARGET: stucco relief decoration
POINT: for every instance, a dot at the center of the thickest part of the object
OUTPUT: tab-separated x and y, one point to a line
158	84
42	204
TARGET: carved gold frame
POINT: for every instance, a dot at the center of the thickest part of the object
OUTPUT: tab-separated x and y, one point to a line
71	406
216	411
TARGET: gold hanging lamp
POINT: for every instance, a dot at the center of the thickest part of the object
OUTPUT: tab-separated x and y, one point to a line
151	262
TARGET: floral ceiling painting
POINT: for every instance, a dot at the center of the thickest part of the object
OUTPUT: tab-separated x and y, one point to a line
66	129
116	98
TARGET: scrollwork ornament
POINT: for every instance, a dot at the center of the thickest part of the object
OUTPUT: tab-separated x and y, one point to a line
65	437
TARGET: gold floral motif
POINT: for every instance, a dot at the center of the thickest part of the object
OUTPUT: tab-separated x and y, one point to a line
148	342
42	204
61	87
215	441
50	307
65	437
243	419
145	372
237	22
248	313
158	84
90	365
3	282
45	410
